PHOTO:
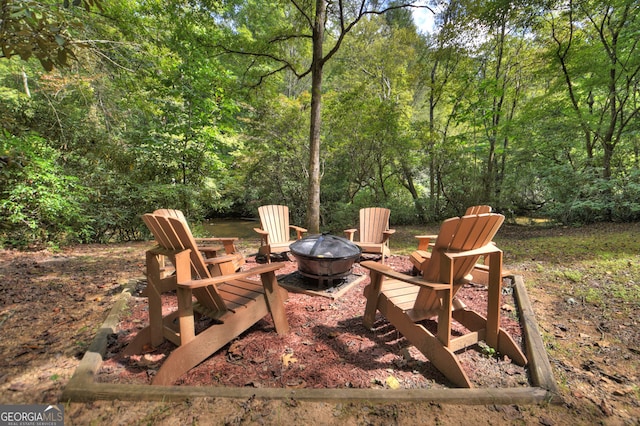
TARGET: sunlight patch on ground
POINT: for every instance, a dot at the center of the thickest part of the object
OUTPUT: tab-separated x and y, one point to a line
532	221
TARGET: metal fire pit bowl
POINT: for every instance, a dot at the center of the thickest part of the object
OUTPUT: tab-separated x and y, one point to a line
325	257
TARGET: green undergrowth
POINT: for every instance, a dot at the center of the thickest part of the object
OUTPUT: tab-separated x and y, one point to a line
595	265
598	264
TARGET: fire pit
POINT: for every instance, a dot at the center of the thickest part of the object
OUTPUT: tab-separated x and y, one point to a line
325	257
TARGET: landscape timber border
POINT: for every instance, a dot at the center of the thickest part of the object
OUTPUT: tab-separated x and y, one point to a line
82	387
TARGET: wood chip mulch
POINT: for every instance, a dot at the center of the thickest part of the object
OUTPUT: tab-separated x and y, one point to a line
327	347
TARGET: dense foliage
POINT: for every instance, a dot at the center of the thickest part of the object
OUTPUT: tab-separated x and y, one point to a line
127	106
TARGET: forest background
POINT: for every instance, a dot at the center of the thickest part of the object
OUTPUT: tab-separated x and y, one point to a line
112	109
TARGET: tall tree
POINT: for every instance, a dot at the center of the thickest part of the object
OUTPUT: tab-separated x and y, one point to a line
596	45
325	25
444	51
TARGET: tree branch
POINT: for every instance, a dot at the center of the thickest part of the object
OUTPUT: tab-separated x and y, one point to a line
285	37
304	15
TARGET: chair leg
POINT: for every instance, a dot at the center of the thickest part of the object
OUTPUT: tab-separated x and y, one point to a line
506	345
372	293
142	338
265	251
209	341
443	359
275	301
440	356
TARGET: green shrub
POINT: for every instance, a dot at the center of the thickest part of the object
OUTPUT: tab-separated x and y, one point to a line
39	203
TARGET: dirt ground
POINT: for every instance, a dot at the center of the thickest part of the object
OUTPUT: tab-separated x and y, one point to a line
51	305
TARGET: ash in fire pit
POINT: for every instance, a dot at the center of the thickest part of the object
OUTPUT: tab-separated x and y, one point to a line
325	258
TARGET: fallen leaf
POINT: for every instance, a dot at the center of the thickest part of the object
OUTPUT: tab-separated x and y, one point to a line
234	353
288	359
149	360
392	382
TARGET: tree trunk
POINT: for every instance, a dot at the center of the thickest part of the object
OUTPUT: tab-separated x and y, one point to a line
25	83
313	201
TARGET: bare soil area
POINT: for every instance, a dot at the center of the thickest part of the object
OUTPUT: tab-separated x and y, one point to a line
51	305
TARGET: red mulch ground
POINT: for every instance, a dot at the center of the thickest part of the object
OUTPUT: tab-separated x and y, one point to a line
327	347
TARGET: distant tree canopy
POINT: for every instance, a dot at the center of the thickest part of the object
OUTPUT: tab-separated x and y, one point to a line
113	109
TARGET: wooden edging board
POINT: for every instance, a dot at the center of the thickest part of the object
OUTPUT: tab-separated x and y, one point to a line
82	386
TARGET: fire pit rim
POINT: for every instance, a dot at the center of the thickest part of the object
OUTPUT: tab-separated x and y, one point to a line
323	266
294	249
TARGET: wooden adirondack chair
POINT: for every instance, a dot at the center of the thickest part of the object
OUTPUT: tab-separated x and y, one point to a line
405	300
231	299
275	234
425	242
205	245
374	231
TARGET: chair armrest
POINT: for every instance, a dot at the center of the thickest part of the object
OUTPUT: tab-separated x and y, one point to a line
216	239
227	242
299	230
222	259
386	234
484	250
423	241
261	231
210	249
349	233
264	236
388	272
258	270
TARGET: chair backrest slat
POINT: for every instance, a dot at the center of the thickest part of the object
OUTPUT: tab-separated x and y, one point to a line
171	213
182	238
275	220
156	230
443	241
175	213
174	234
373	222
461	234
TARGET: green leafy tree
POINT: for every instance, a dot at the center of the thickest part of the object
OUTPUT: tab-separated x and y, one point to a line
46	30
369	143
275	156
319	28
38	201
596	46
